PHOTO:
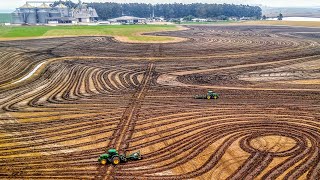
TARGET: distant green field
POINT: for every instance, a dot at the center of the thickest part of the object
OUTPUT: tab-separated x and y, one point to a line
5	18
132	32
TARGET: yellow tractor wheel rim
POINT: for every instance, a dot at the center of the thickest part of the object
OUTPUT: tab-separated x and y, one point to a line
103	162
116	161
215	97
208	97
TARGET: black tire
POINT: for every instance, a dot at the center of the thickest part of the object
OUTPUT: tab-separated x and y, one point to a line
115	160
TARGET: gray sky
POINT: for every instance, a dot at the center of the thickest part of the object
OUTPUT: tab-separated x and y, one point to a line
12	4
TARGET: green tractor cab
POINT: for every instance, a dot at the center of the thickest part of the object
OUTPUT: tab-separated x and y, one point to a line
113	157
210	95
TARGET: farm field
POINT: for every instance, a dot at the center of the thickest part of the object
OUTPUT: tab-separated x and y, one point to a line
65	101
127	33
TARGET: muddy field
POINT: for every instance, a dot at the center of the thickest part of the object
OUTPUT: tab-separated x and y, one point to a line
65	101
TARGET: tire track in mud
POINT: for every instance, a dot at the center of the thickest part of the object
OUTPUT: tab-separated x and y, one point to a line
252	128
62	119
126	125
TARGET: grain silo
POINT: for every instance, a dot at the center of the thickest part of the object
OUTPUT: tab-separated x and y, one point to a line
17	17
43	13
29	14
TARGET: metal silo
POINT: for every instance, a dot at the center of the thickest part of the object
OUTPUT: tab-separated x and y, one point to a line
17	17
43	14
29	13
30	16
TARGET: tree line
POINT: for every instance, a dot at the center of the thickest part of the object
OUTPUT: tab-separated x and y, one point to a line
109	10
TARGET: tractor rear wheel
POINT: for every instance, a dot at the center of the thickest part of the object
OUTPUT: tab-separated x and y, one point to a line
103	161
115	160
208	97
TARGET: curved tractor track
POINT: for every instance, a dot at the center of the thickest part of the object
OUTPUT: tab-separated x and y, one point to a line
65	101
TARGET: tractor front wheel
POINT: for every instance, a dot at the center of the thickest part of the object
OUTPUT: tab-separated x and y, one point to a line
215	97
208	97
115	160
103	161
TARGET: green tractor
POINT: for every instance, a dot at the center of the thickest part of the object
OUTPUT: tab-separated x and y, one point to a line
209	95
113	157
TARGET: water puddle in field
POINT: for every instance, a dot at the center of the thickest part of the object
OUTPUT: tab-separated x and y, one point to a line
30	74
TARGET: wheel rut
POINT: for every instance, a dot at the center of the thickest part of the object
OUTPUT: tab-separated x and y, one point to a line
125	127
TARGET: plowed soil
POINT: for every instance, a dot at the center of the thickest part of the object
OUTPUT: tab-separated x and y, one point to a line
65	101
